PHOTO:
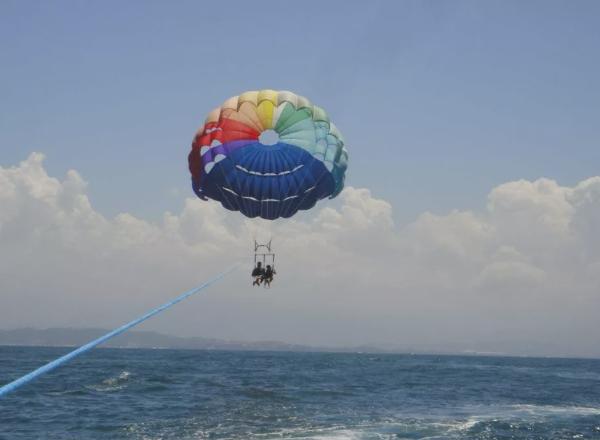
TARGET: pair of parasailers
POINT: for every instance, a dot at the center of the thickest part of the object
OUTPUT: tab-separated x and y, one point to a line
262	275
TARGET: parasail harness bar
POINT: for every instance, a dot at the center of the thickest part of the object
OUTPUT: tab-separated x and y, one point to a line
264	257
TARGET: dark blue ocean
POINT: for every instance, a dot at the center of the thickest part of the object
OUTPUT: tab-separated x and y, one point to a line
186	394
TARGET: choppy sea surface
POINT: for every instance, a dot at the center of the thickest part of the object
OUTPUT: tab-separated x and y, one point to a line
187	394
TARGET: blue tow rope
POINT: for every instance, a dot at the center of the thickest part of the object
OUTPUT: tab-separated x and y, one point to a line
12	386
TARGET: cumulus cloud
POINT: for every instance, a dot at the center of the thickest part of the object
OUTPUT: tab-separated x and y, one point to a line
523	269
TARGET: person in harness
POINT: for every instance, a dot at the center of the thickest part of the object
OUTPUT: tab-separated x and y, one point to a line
268	275
258	274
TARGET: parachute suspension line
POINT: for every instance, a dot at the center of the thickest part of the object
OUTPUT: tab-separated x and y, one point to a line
12	386
272	254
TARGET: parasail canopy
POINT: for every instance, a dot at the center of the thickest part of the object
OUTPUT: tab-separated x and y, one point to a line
268	154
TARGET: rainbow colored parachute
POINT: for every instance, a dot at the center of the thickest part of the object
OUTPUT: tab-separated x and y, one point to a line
234	162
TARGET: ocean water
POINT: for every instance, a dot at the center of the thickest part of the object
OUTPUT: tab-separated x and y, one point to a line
186	394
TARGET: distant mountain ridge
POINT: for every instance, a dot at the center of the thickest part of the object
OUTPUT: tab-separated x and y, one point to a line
74	337
67	337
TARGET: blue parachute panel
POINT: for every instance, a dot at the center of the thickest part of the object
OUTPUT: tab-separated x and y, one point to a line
267	181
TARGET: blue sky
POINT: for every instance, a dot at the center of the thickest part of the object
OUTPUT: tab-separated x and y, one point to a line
444	106
439	101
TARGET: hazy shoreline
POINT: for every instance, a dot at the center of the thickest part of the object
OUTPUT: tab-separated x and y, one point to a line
74	337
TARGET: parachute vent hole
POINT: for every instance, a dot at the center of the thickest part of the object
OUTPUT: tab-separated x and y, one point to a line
268	137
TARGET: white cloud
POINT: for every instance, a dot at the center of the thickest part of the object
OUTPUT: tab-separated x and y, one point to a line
522	269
